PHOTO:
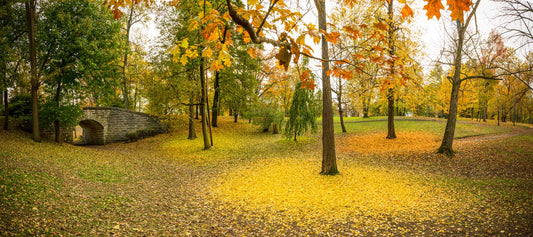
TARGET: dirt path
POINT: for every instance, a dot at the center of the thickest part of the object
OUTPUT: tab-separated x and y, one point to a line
497	136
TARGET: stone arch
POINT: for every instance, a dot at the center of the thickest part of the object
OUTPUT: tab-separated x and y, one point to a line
93	132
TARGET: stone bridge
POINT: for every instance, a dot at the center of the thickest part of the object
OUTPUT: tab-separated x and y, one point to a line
103	125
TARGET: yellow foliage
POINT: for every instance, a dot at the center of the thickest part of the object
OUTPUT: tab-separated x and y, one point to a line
292	186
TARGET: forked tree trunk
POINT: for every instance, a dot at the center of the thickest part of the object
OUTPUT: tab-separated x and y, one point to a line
34	81
329	160
449	132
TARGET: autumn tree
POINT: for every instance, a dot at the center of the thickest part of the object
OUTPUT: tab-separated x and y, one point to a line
461	29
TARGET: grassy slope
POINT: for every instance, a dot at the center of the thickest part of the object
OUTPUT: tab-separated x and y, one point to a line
257	182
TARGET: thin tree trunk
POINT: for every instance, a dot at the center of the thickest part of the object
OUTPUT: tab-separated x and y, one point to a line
498	116
339	100
34	81
208	114
329	160
203	111
57	126
391	132
235	115
124	69
214	120
197	109
275	129
192	129
6	109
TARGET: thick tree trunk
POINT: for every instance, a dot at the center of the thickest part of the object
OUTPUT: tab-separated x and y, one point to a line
203	108
235	116
329	160
6	109
391	132
214	120
192	129
34	81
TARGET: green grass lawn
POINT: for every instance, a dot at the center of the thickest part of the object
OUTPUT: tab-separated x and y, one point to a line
255	183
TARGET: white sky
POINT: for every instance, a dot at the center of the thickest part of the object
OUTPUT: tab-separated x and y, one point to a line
432	31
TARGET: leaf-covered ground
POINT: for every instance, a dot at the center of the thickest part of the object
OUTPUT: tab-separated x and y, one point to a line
254	183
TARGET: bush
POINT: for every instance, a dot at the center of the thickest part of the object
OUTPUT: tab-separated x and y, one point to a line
265	116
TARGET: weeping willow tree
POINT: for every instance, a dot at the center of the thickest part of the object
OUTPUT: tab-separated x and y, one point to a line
303	112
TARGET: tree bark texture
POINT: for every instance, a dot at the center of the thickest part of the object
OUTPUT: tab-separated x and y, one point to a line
329	160
339	100
214	120
124	69
203	108
192	129
34	81
449	132
391	132
57	126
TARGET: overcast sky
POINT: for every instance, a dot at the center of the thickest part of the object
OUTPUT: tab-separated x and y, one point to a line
432	32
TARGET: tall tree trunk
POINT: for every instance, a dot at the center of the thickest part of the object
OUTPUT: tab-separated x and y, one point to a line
214	120
203	108
449	132
57	126
339	100
391	132
6	109
34	81
124	69
192	129
235	115
329	160
208	114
